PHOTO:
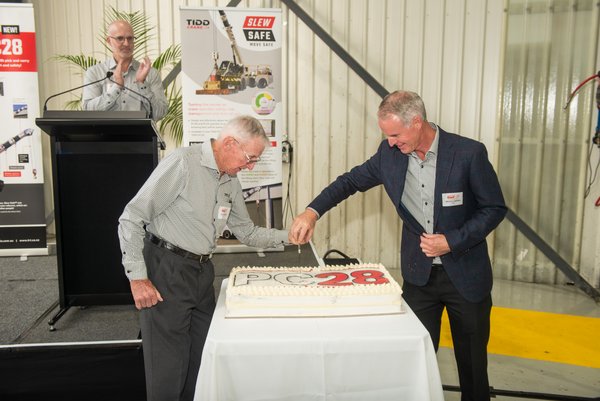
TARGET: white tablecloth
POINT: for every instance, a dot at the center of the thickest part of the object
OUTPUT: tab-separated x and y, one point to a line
339	358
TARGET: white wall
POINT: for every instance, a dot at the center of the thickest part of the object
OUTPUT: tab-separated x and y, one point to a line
449	51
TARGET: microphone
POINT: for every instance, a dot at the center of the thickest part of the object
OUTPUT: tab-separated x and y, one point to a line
108	75
139	94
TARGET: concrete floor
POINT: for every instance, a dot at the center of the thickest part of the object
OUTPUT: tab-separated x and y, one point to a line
527	375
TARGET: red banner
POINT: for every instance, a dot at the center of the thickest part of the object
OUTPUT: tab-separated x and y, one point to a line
17	52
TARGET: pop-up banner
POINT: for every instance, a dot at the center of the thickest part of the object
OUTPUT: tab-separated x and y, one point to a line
22	220
231	65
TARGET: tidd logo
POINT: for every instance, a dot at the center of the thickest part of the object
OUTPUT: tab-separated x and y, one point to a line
197	23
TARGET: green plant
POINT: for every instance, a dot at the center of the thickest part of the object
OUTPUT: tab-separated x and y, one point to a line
172	122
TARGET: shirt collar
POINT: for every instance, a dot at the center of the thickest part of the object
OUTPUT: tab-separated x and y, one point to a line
208	161
433	149
208	156
112	64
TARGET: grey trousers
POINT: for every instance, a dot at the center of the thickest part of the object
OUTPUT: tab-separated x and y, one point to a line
174	331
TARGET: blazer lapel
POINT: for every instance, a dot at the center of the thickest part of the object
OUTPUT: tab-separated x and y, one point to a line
445	158
398	175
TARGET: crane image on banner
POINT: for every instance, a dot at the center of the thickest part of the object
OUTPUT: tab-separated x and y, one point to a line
11	142
15	139
233	75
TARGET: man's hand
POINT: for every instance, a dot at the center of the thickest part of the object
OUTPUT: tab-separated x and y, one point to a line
143	71
303	227
434	245
118	73
292	238
144	293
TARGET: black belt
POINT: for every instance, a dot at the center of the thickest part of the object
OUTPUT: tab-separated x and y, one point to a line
175	249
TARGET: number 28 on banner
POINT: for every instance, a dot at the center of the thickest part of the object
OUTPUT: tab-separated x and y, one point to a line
11	47
17	52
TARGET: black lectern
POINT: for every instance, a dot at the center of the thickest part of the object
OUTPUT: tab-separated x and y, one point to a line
99	162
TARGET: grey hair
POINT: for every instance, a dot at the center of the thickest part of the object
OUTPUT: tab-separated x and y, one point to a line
404	105
246	128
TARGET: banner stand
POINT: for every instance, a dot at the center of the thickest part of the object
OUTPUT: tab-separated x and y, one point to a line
232	65
22	214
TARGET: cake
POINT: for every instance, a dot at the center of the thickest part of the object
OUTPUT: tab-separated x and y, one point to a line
357	289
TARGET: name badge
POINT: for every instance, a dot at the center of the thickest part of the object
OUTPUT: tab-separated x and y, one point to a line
452	199
223	212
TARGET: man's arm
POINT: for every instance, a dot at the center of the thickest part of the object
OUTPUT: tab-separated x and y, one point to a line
156	194
360	178
152	88
244	228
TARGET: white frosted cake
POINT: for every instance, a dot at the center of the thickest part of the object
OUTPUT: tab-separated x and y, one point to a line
357	289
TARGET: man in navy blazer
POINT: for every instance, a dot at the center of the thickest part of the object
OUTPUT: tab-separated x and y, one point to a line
449	199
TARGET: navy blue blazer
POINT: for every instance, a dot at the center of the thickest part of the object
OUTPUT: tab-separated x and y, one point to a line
462	167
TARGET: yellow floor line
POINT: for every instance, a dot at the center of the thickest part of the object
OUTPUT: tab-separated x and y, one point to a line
540	335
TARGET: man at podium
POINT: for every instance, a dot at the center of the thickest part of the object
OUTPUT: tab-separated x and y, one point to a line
128	85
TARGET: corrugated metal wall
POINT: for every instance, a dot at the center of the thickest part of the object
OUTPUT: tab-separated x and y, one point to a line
550	48
450	51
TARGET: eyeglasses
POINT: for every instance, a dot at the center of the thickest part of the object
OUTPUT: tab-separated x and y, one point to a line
122	39
249	159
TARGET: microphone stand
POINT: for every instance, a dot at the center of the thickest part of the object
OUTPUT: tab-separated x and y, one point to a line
151	114
162	144
108	75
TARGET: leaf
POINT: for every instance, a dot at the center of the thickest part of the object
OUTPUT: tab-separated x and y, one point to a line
73	104
173	119
169	57
80	61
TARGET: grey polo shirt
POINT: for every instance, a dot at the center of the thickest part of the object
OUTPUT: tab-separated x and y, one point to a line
419	186
187	202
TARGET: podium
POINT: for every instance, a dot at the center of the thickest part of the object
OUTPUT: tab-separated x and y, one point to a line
99	162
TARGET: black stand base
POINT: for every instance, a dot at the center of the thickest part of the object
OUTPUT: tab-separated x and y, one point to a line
527	394
56	317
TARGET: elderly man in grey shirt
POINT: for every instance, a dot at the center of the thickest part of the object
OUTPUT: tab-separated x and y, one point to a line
168	232
132	86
